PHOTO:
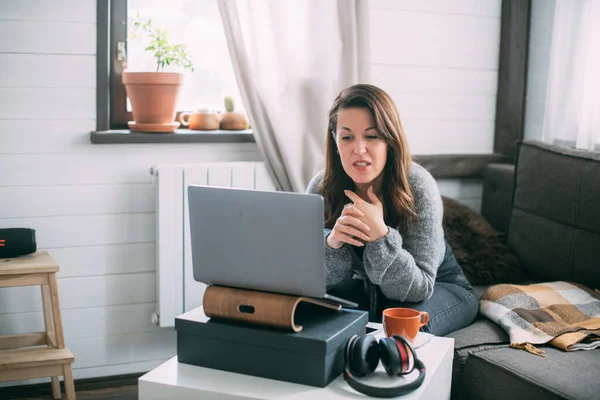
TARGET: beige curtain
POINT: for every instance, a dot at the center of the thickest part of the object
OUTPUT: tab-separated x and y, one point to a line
572	110
291	59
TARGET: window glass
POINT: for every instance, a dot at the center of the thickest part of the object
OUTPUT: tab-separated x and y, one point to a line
197	24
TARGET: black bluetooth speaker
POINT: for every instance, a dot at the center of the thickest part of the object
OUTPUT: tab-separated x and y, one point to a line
16	242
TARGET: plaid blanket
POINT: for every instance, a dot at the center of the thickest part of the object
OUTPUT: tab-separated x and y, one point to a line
563	314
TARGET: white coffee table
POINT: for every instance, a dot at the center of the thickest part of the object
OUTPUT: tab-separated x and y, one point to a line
174	380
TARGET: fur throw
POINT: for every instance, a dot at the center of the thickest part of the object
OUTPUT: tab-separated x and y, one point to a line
479	248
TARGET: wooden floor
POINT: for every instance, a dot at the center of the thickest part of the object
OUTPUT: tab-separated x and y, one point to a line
120	393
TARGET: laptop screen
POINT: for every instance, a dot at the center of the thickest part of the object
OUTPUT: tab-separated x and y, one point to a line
260	240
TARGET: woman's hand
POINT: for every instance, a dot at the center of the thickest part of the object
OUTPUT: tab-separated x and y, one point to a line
372	213
348	228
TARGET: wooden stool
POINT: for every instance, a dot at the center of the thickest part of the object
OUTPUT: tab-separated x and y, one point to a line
39	354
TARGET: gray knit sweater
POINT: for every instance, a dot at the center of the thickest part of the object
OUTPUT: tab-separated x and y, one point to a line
402	263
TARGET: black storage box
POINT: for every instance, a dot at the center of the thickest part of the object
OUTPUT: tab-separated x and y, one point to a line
313	356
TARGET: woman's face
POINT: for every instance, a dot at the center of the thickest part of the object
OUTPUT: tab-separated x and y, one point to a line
363	151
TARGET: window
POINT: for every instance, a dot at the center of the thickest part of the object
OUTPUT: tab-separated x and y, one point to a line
195	23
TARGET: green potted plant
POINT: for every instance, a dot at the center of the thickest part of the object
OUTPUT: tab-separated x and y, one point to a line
153	95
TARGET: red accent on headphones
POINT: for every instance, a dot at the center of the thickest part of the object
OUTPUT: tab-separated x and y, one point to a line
403	356
362	355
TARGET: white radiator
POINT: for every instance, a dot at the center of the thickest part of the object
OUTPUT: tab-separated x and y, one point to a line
177	291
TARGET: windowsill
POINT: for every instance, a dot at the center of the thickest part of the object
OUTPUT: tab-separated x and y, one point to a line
179	136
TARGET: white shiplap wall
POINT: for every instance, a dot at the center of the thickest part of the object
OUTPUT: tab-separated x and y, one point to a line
540	41
438	59
92	206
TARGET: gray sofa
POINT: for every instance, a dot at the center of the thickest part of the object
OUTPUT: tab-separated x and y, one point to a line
548	207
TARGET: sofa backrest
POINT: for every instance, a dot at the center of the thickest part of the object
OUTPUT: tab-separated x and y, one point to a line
496	200
554	226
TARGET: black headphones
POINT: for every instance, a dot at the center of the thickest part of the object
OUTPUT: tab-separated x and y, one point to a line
362	355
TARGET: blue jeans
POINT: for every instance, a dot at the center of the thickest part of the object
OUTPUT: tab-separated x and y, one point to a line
453	305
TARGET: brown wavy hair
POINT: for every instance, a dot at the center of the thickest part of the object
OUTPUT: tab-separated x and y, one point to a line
398	200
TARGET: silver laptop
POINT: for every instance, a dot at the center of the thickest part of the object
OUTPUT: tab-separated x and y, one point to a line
259	240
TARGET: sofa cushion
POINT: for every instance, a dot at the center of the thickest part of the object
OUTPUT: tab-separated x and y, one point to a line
554	227
507	373
496	200
478	336
481	335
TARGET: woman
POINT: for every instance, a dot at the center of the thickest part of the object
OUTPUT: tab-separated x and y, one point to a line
384	239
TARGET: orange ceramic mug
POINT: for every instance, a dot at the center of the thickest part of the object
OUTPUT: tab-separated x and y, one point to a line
405	322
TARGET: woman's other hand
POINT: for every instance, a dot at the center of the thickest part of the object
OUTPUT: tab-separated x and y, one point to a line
349	229
372	213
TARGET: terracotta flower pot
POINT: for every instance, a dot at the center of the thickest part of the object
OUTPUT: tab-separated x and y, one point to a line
153	95
234	121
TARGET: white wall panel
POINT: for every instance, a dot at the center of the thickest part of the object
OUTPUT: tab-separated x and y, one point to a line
460	188
101	168
435	80
47	103
452	137
434	40
122	349
87	292
89	230
466	191
474	204
438	60
86	322
484	8
44	71
44	37
105	259
46	136
445	106
44	10
65	200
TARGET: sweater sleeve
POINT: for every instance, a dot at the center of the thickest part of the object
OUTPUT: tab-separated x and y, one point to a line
338	262
405	265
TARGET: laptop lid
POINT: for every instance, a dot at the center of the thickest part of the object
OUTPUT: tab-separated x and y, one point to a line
261	240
